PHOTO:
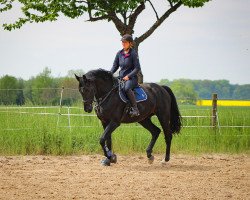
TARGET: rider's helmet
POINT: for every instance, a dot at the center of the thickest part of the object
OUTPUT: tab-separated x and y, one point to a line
127	37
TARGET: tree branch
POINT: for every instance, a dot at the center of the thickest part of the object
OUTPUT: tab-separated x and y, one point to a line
94	19
91	18
154	9
171	3
133	17
89	10
124	16
121	27
157	23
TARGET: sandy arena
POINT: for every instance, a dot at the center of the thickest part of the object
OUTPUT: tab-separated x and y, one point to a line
82	177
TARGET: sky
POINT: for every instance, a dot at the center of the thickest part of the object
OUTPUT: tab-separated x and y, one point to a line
212	42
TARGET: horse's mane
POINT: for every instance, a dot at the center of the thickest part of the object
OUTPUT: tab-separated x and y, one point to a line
100	74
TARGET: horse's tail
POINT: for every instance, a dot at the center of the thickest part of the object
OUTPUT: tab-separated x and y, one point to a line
175	116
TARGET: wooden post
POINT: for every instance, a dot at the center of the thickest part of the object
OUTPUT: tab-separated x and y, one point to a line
59	111
61	97
214	110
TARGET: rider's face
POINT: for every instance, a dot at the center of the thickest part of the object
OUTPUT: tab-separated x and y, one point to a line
126	45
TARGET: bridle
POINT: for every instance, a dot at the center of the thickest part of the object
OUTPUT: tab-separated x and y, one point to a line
90	100
101	99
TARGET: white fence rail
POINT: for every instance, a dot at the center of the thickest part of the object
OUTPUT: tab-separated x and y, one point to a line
21	110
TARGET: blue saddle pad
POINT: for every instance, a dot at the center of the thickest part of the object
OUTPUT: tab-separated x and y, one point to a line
140	94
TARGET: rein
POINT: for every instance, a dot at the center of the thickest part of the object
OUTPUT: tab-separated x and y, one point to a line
102	99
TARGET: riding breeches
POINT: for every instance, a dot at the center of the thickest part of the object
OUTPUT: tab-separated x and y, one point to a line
130	84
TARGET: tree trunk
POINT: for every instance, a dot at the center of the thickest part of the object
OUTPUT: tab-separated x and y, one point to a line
139	75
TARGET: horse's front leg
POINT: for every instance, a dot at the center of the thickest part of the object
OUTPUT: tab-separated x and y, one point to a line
105	142
108	146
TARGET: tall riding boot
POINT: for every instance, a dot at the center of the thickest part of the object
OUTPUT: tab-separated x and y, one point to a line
134	112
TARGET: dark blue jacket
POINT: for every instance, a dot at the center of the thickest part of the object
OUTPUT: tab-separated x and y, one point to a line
128	63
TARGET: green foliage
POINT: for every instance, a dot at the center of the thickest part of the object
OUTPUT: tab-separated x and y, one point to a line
70	93
41	11
184	91
242	91
11	90
6	5
43	88
203	89
193	3
118	6
46	90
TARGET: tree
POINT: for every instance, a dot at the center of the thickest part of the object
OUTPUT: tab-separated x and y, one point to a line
184	91
8	90
165	82
44	89
122	13
20	100
203	89
242	92
70	94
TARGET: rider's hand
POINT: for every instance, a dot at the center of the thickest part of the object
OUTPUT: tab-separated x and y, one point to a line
126	78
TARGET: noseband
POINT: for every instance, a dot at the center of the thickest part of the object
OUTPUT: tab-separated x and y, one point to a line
89	101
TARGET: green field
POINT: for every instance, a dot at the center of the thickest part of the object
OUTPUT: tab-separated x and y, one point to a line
23	131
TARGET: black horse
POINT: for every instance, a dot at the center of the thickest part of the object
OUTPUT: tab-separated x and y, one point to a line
102	87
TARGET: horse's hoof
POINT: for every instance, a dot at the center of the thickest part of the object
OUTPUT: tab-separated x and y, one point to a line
151	159
105	162
164	163
113	159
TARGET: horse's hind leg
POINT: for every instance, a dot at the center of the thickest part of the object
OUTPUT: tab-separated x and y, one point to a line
155	131
164	121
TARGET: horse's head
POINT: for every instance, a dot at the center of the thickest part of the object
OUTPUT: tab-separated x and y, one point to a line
87	90
95	83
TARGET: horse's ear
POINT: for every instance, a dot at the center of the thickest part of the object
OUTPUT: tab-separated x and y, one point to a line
84	78
77	77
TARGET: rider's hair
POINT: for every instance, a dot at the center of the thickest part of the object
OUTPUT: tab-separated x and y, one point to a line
131	44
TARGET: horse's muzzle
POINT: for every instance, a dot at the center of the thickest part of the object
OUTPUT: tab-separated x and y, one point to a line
88	108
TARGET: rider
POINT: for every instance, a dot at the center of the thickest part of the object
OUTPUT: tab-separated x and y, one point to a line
127	59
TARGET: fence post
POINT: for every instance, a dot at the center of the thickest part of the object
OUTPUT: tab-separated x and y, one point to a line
69	119
214	110
60	106
61	97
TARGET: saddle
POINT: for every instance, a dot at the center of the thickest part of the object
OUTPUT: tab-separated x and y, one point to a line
140	94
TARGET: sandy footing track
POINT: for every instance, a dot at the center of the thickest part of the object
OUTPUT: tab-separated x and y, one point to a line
82	177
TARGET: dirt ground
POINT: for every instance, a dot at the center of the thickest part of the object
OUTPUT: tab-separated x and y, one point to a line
82	177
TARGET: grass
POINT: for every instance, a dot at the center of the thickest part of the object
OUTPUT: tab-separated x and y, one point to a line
32	134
